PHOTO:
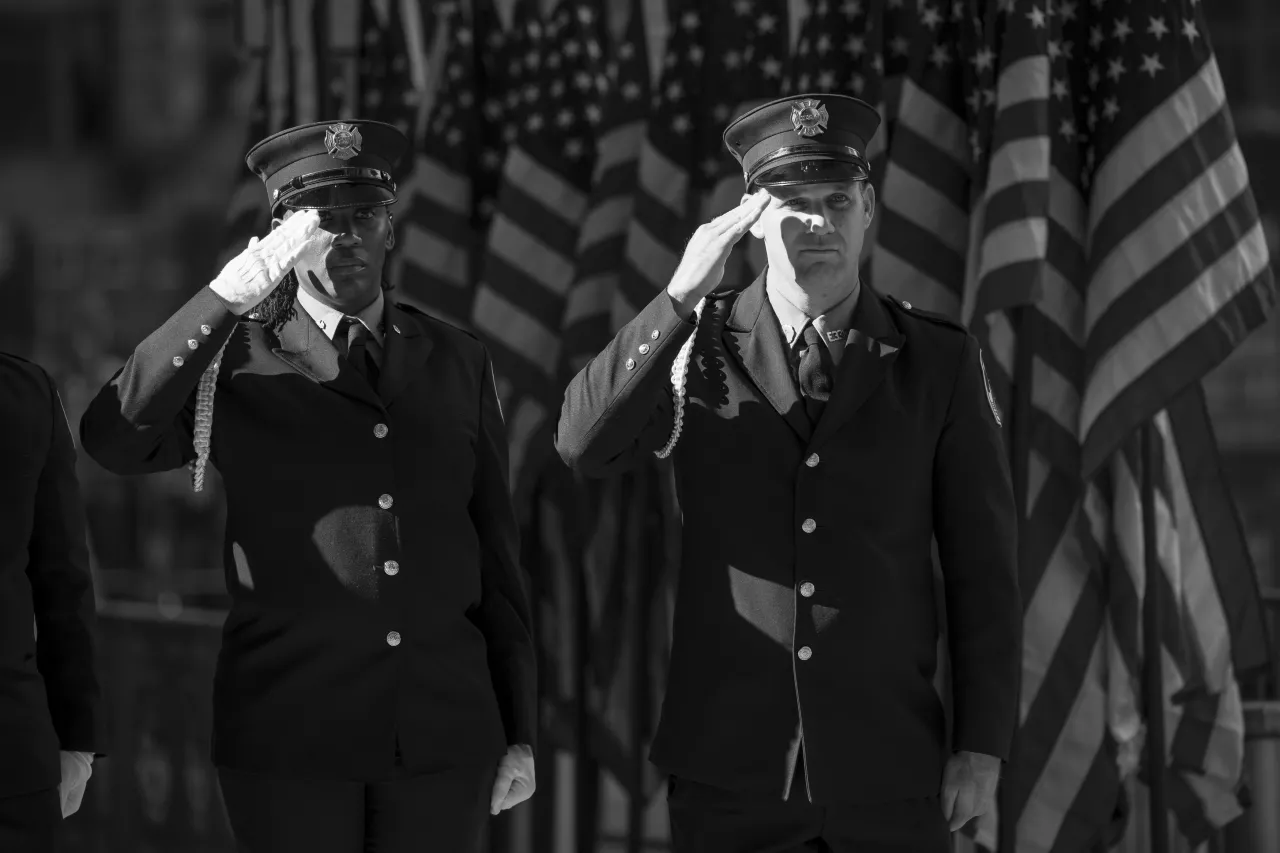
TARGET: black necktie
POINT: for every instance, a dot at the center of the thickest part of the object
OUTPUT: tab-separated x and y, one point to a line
814	373
353	341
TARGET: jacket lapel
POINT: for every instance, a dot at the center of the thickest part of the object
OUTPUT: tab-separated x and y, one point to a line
406	346
304	347
754	338
869	352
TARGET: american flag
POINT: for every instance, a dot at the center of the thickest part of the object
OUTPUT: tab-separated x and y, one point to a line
454	177
923	235
1011	133
529	263
601	253
387	89
664	200
280	42
1178	266
1035	93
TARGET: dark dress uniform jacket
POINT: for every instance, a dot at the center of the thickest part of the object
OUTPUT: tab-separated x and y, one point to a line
802	538
351	514
49	693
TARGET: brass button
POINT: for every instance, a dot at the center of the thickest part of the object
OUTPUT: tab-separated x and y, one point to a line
807	589
653	336
906	304
644	349
631	364
206	329
812	461
192	343
380	431
177	361
385	501
804	654
393	638
809	525
391	567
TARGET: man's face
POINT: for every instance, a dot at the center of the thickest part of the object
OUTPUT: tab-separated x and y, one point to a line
344	263
815	231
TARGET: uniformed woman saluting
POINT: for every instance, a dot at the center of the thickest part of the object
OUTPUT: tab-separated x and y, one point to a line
376	686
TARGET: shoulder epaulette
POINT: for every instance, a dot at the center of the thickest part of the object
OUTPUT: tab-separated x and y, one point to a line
933	317
413	309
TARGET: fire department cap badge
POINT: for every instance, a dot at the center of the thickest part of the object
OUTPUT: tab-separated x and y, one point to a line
809	117
343	141
991	398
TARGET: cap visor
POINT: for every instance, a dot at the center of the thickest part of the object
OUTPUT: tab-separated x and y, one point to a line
335	195
809	168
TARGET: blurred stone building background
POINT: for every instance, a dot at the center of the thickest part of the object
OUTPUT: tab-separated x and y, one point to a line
123	138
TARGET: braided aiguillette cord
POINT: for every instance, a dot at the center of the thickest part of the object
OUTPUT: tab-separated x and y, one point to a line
679	373
204	419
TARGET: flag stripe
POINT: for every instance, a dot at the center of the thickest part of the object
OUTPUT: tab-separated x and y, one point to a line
512	241
919	156
923	115
1220	529
1186	249
1187	336
1158	135
432	260
514	284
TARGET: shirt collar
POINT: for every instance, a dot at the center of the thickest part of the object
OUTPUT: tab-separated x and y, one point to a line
793	320
327	317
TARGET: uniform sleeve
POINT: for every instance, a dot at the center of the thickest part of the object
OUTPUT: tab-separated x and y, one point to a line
975	523
62	592
618	409
142	421
505	612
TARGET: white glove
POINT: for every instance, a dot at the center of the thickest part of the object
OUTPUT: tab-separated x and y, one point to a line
250	276
77	767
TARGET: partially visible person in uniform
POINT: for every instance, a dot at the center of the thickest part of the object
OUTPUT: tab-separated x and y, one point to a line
49	718
822	435
375	688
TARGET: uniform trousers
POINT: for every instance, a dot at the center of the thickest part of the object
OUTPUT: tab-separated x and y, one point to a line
708	819
445	811
28	822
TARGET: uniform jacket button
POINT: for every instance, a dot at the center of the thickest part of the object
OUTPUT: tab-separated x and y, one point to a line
809	525
906	304
177	361
206	329
385	501
653	336
812	461
381	431
804	654
644	349
393	638
631	364
391	567
192	343
807	589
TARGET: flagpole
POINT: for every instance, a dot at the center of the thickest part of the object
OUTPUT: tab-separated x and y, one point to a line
1152	657
1019	449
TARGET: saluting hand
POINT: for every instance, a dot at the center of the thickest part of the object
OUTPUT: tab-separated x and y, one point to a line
702	267
250	276
969	787
515	782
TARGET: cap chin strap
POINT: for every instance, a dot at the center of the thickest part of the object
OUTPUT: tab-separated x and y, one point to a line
679	374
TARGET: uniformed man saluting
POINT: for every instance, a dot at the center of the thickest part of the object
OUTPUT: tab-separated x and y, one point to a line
376	687
822	435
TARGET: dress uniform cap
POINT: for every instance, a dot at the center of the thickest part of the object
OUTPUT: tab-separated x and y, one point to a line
302	165
804	139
